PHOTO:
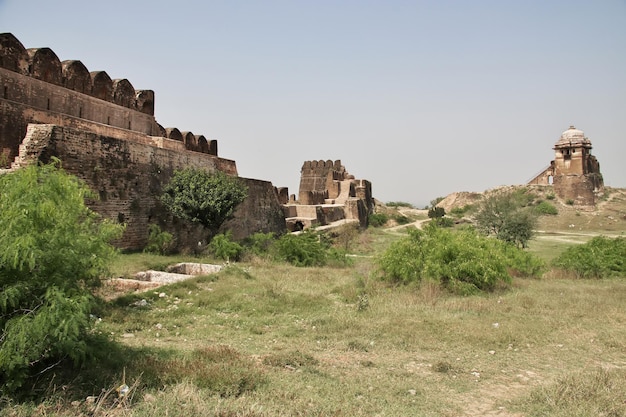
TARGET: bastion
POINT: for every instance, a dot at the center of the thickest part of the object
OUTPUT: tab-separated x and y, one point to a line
575	172
104	131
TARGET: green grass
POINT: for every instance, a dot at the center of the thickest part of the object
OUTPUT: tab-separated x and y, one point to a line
268	339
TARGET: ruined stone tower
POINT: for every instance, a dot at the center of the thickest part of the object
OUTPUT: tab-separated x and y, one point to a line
574	172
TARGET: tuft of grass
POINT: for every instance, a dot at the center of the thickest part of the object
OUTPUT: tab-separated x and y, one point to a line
589	393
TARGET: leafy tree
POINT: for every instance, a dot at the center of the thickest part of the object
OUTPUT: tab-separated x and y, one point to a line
507	217
436	212
202	197
53	251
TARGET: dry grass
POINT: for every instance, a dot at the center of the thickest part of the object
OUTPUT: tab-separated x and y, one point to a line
288	341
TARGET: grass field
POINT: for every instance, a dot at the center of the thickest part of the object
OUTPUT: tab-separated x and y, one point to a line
268	339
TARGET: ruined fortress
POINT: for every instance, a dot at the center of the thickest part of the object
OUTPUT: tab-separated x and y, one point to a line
104	131
575	172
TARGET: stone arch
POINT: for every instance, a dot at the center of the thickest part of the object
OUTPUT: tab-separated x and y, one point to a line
102	86
124	93
13	55
76	76
45	65
144	100
189	139
173	133
213	147
203	145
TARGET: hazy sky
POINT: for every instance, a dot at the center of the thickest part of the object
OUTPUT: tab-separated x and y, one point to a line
422	98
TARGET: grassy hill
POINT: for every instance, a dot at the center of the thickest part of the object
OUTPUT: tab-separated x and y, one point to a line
270	339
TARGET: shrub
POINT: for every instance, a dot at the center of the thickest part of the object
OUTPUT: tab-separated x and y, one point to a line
304	249
399	204
601	257
53	251
463	261
401	219
546	208
158	241
223	247
259	244
461	211
436	212
378	219
569	202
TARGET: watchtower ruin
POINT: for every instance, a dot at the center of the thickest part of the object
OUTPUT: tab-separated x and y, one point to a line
575	172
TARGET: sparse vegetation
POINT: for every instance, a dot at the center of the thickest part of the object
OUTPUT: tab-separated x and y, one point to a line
399	204
378	219
545	208
265	338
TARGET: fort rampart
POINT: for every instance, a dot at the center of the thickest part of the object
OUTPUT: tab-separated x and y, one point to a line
104	132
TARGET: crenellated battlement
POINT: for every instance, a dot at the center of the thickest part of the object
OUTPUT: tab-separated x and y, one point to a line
43	64
37	87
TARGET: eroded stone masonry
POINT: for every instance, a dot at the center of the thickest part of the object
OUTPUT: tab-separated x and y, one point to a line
104	132
328	194
574	172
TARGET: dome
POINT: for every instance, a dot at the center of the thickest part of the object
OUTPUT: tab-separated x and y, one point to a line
572	136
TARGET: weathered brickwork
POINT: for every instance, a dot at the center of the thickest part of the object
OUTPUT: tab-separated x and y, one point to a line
574	172
127	177
104	132
327	194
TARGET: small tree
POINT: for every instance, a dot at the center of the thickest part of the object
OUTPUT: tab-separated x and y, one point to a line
202	197
53	250
507	217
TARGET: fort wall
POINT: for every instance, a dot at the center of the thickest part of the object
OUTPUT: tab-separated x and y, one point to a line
127	177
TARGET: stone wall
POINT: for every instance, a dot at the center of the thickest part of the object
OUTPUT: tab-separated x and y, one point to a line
127	176
36	87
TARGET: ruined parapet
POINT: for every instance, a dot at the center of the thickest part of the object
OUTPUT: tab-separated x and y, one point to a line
319	178
36	87
328	194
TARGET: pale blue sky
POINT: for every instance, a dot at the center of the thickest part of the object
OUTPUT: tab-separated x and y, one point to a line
423	98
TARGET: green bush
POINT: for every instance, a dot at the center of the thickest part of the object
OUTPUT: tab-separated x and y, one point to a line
304	249
159	241
463	261
401	219
378	219
436	212
546	208
259	244
399	204
223	247
601	257
461	211
53	251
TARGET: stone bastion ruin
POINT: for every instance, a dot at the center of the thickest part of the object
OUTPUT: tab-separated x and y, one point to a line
104	132
575	172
